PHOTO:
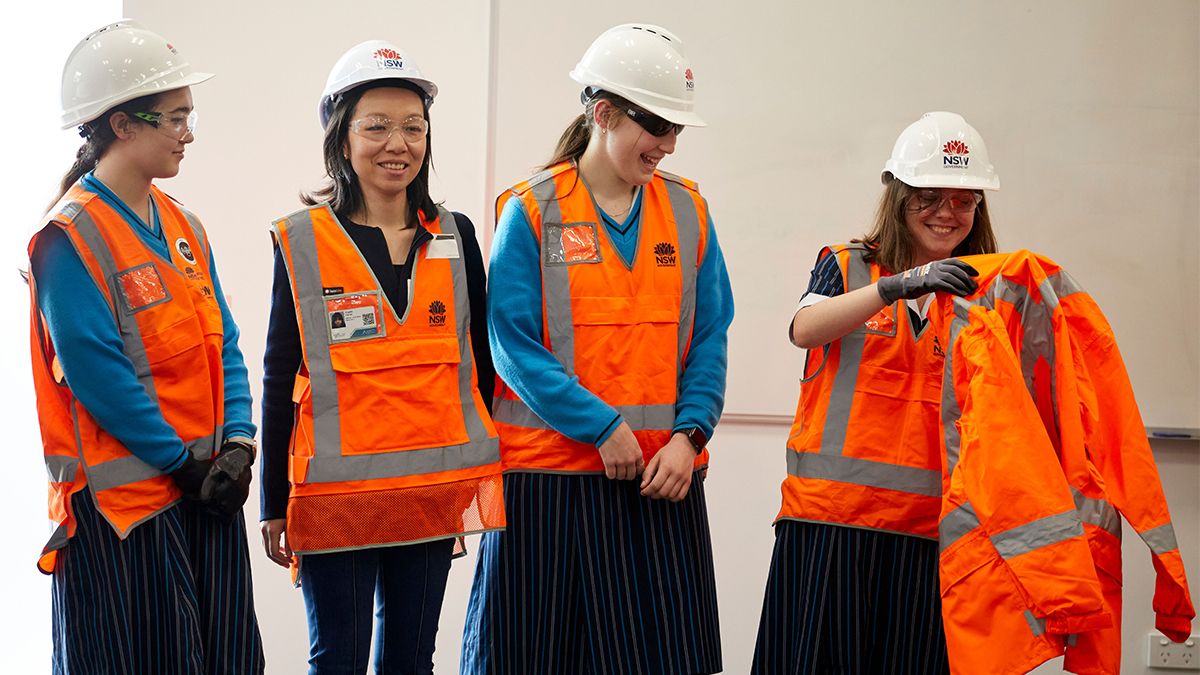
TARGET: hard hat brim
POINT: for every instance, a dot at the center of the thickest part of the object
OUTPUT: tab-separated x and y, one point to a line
92	111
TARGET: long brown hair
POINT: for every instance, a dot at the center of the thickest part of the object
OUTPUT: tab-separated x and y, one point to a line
575	137
890	243
342	190
98	137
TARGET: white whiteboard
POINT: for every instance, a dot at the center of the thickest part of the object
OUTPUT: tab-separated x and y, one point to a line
1091	113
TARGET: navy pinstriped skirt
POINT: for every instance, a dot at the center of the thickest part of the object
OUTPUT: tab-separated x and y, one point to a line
847	601
591	577
174	597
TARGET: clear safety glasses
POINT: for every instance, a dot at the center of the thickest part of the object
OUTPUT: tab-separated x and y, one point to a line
175	125
959	201
379	129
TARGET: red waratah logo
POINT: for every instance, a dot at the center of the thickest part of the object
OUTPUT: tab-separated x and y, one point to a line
388	58
954	154
687	77
956	148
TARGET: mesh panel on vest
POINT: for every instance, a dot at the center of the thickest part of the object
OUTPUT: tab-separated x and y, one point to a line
382	517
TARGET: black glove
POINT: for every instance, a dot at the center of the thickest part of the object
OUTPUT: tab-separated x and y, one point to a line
227	485
190	477
948	276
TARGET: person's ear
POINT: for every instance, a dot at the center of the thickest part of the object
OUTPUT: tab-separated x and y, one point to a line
122	126
602	114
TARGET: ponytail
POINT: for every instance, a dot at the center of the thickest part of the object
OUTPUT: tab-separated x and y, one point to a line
574	140
98	136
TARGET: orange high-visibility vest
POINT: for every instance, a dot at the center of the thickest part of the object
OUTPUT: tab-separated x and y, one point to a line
1016	569
1075	375
863	450
392	442
623	331
171	325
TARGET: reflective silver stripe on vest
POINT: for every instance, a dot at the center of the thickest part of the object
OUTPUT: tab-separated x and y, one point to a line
655	417
1161	539
556	283
841	399
1057	286
956	525
951	411
1037	534
328	464
131	336
856	471
685	213
1098	512
476	430
131	469
1038	626
60	468
304	269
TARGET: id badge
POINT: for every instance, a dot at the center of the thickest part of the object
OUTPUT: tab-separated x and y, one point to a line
570	243
883	323
442	246
354	316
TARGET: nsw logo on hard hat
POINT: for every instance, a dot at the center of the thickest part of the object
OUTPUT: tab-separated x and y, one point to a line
687	77
388	58
954	153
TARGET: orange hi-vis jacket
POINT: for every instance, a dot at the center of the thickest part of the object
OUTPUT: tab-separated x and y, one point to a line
171	325
1015	567
623	331
1074	373
863	450
392	443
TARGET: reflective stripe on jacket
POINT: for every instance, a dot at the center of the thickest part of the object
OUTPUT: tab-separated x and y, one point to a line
171	325
623	330
1074	373
1015	567
392	443
863	450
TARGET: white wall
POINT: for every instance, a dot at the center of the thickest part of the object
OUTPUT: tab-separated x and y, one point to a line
37	153
782	85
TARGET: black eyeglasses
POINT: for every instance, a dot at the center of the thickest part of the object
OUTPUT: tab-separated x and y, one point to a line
653	124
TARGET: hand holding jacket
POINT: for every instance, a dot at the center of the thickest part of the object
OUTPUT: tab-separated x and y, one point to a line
948	275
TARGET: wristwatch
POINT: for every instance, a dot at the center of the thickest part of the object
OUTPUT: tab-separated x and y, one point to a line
248	443
695	436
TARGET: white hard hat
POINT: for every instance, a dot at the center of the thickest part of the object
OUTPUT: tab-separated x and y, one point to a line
366	62
941	150
118	63
644	64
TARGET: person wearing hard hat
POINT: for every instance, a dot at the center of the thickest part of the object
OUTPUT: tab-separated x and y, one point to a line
853	583
142	392
379	453
609	306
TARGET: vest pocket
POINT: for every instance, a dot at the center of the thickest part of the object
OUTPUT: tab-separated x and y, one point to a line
398	394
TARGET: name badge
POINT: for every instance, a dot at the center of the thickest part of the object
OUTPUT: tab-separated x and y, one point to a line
442	246
354	316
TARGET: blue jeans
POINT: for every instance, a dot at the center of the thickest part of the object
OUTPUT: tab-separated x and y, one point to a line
403	584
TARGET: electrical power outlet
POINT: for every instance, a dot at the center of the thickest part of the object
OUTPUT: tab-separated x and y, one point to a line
1162	653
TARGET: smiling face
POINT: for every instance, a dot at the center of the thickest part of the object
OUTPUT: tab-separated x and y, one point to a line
385	167
936	227
633	152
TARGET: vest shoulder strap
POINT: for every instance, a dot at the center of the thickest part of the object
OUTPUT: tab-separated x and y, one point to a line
685	182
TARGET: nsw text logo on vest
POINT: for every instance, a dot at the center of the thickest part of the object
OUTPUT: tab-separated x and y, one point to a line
664	254
437	313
